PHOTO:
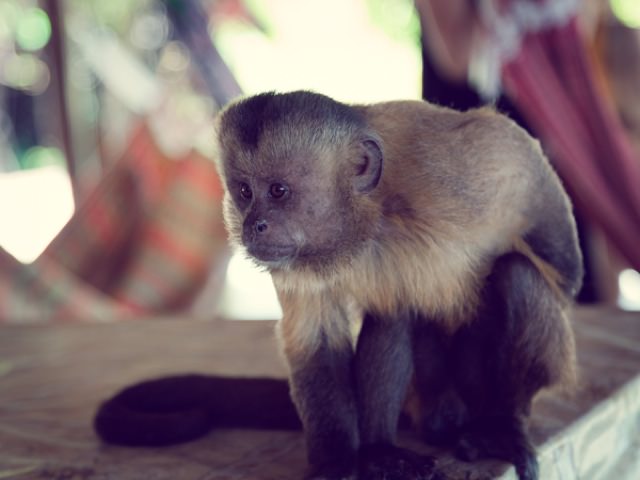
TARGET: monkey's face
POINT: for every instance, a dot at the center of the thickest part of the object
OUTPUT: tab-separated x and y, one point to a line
309	208
288	217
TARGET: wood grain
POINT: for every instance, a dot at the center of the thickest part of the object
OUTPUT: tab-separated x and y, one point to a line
52	378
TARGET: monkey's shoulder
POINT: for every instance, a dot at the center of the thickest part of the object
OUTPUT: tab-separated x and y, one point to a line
445	164
422	113
414	123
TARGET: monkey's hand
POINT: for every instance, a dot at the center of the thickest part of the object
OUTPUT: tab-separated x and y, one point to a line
386	462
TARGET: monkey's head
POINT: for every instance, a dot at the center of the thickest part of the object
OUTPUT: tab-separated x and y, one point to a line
300	172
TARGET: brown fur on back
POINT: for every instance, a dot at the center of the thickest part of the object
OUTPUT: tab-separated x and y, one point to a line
452	198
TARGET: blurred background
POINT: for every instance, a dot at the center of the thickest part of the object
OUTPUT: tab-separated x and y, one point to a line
109	200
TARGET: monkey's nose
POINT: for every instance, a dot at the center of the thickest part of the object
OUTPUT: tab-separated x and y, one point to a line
261	226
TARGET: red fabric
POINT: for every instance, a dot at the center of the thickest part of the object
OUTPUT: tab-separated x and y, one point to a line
552	82
174	247
141	242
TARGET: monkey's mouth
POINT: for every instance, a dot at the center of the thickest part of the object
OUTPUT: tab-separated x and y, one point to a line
271	253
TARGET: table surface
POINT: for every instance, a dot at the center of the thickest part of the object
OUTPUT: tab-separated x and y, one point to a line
52	378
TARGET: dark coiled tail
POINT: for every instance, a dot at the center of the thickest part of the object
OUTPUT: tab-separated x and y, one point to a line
177	409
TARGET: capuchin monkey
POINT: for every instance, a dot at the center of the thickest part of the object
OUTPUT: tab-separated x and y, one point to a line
443	239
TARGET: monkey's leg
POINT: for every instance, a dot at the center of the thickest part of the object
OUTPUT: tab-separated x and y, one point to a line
322	389
383	369
441	412
515	347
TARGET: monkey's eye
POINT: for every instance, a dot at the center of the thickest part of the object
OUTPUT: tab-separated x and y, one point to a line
245	191
278	190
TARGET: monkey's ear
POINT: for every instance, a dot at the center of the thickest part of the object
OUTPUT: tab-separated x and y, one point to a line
368	168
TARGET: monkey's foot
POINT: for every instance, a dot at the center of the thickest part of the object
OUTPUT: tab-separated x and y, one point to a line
341	470
331	476
441	426
386	462
503	438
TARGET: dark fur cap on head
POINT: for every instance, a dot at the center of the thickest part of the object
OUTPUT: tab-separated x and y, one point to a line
255	115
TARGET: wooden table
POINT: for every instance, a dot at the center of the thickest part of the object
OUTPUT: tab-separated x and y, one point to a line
52	377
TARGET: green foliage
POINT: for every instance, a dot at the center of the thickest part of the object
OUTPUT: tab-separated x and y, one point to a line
33	29
398	18
627	11
39	156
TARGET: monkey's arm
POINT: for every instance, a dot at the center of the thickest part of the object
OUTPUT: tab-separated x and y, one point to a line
383	370
314	331
383	366
349	404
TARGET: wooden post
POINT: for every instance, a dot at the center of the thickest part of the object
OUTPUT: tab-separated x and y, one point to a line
56	54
